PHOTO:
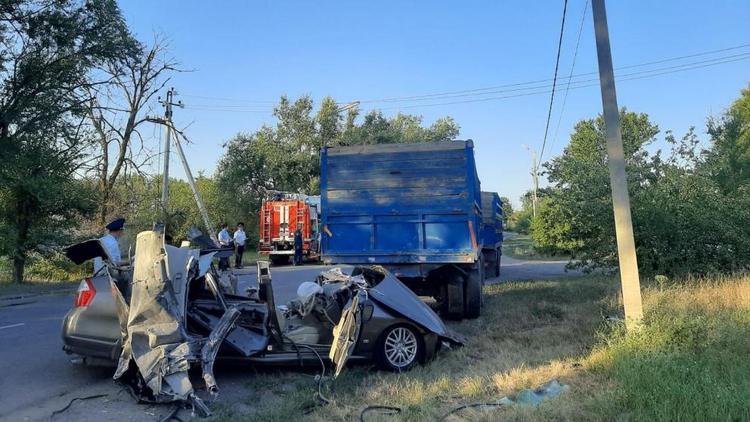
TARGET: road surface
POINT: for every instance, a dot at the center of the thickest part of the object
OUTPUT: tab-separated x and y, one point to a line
36	376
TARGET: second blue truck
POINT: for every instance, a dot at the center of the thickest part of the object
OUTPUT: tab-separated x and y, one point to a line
417	210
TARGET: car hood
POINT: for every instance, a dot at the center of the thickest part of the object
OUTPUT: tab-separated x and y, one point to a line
393	294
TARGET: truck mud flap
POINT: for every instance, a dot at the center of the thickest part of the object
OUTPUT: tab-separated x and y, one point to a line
454	297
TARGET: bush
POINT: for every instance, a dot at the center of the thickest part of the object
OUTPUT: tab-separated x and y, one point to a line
684	363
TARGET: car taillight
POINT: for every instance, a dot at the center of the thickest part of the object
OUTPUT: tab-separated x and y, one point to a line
85	293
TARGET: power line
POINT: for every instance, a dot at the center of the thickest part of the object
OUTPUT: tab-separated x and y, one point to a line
492	89
554	82
238	102
570	75
537	87
231	100
546	90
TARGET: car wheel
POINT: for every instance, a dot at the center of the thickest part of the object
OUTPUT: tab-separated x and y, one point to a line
400	348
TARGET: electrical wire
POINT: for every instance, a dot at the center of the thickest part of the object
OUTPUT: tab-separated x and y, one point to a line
383	410
537	87
475	91
73	400
452	94
319	378
547	90
554	83
468	406
570	75
232	100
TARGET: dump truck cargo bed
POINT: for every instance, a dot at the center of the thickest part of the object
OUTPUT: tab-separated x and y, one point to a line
413	208
414	203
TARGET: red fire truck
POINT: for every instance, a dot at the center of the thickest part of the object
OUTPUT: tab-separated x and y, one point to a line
280	216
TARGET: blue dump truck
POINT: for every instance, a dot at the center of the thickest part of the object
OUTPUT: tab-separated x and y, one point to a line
413	208
491	233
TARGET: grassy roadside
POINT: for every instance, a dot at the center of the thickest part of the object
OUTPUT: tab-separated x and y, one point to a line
521	246
44	275
33	288
689	361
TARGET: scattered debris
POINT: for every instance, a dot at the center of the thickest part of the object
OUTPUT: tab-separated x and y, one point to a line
73	400
526	397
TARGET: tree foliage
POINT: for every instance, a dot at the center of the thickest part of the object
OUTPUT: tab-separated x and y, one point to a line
689	205
285	157
48	47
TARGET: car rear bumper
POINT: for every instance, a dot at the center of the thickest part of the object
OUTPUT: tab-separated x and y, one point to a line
88	347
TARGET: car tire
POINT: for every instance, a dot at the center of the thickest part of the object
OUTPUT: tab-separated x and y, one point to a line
399	348
473	292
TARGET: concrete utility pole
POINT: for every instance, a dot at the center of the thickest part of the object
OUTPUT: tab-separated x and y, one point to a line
169	127
167	103
631	288
534	178
193	186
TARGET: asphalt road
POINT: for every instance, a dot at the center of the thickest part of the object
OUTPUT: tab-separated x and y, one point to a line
37	378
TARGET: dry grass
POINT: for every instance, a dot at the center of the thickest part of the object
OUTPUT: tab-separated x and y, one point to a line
532	332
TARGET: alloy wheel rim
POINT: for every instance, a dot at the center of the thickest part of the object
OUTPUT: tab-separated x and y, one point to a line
400	347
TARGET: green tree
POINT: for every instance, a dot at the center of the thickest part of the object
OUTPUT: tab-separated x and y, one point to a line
728	160
507	210
48	47
285	157
688	216
577	214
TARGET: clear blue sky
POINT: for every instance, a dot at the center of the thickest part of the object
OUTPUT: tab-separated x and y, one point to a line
253	52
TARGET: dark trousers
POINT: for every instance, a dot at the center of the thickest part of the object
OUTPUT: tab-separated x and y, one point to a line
297	256
238	256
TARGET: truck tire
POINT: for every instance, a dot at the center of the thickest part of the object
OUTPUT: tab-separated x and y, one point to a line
453	305
278	260
497	262
473	292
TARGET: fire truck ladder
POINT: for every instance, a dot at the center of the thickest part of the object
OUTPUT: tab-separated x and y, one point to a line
266	235
300	218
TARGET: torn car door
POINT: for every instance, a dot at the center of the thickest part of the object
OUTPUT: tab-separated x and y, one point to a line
346	334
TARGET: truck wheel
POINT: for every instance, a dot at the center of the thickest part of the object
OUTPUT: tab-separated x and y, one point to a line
277	260
497	263
453	303
473	293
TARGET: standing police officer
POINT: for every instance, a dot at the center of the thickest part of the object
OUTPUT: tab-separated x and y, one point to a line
298	247
109	241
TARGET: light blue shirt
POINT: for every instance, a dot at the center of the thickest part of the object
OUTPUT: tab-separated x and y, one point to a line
224	237
239	238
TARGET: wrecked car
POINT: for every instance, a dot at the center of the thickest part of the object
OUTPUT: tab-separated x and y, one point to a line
175	312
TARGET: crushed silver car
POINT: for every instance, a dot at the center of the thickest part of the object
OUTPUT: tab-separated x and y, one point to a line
175	313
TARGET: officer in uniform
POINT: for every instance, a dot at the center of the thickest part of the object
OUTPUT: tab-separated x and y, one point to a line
109	241
298	247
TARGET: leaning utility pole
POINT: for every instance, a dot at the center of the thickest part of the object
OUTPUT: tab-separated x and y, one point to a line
169	127
167	103
631	288
534	178
193	186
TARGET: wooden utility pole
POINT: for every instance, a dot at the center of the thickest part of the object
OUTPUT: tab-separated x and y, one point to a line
631	288
534	178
